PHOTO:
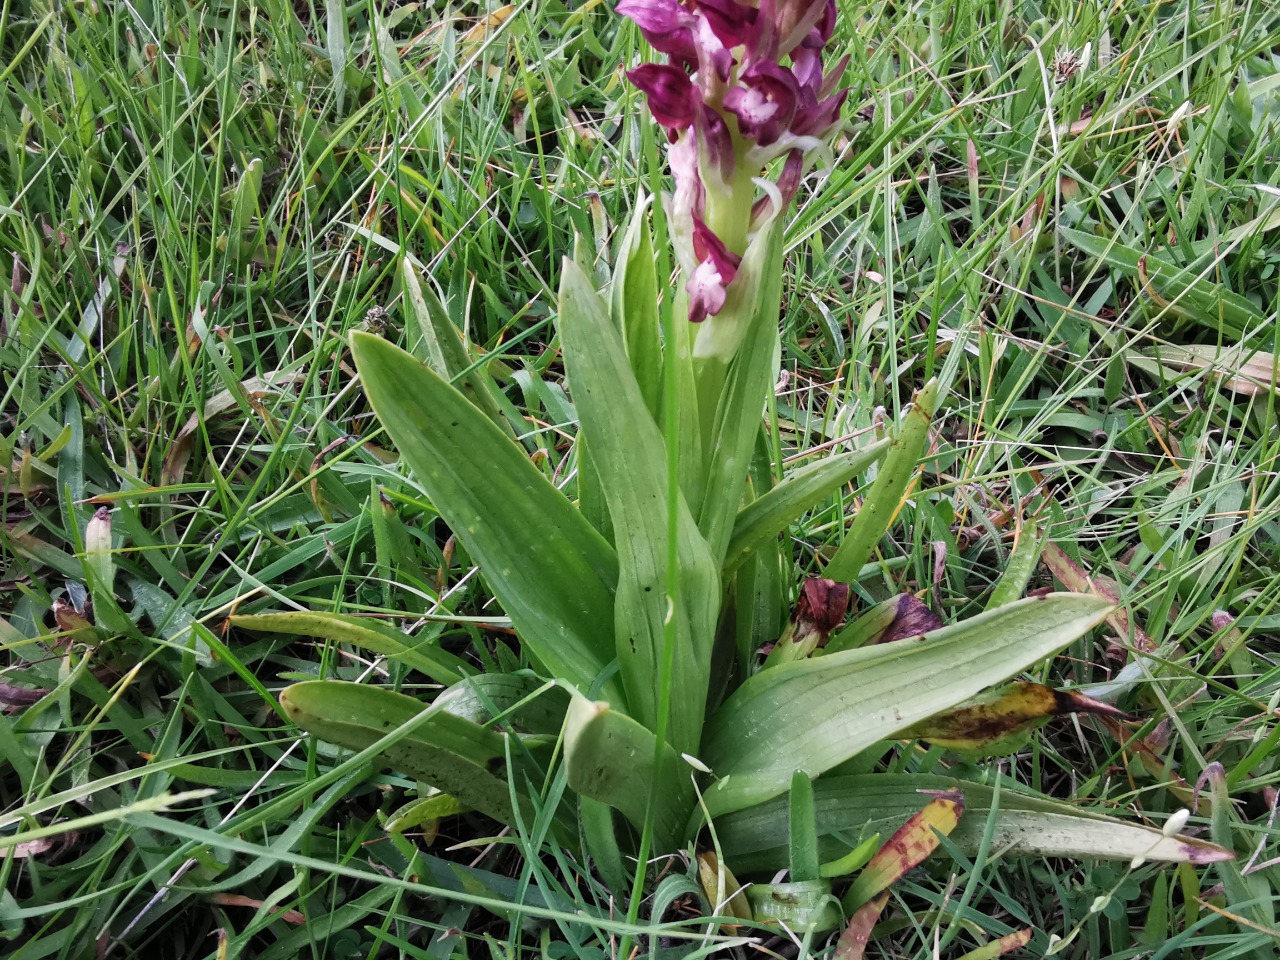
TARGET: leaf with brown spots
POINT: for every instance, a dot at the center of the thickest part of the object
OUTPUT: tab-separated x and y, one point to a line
1000	722
853	942
906	849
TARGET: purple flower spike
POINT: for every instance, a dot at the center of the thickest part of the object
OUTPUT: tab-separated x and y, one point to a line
656	16
766	104
666	25
672	98
796	19
715	271
817	119
743	85
733	22
716	142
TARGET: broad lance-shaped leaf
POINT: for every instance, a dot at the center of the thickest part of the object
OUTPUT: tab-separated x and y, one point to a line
454	755
882	501
998	723
630	458
764	518
633	299
755	841
813	714
609	757
440	345
549	568
520	700
380	638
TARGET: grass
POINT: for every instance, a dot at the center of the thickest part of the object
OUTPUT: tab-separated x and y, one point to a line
1048	201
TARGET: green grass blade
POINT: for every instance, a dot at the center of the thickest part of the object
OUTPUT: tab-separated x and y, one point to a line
1194	297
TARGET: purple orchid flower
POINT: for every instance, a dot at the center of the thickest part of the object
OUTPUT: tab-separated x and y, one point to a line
666	26
716	269
672	99
765	102
744	85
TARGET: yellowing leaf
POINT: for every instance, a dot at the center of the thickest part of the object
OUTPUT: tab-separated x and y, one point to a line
1004	718
908	848
724	892
487	25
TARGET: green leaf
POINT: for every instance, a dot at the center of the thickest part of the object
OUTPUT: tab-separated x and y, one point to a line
755	841
434	806
760	603
806	906
600	840
552	572
628	453
609	757
452	754
867	627
885	496
521	700
764	518
804	835
740	408
634	302
1022	564
854	860
813	714
1189	295
439	343
365	632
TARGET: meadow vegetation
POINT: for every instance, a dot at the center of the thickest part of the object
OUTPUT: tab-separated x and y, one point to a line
1063	213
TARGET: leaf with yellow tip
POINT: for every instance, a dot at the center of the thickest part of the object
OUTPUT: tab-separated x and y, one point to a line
914	842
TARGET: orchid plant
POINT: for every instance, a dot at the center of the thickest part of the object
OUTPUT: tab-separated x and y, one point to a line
650	596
